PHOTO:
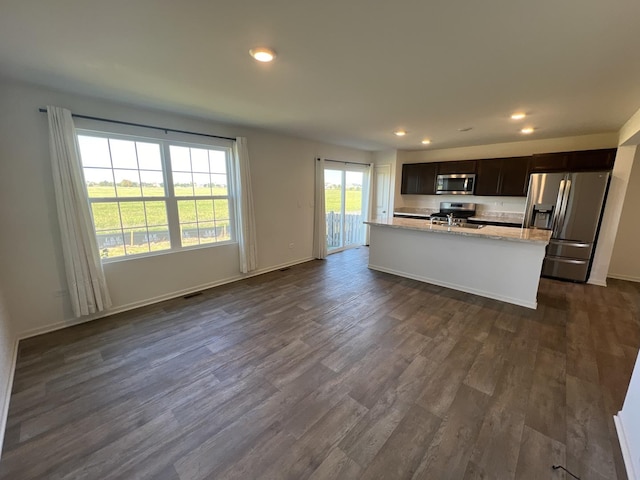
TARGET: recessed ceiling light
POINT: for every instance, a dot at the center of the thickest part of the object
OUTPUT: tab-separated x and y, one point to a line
527	130
262	54
465	129
426	141
400	133
518	116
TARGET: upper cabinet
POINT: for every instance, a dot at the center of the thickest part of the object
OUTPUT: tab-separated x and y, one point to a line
419	178
503	176
450	168
573	161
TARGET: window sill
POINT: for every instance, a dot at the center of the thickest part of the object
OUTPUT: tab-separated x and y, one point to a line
140	256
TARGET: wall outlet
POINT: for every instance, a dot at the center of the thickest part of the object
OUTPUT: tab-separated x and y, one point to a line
291	245
59	293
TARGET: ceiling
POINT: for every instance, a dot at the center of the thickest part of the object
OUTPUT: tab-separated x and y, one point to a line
348	72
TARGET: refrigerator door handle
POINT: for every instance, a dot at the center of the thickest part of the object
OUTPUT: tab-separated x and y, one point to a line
565	203
556	211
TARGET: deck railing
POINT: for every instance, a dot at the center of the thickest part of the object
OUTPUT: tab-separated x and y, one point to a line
352	229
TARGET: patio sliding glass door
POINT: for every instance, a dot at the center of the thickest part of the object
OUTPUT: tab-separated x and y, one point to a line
346	192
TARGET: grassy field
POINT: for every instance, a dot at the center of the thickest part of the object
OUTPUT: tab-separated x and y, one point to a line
107	216
205	214
353	200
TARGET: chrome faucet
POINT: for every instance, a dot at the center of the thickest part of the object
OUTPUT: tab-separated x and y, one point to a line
450	218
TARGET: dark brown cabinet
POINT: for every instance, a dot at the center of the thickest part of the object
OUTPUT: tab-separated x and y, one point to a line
586	160
503	176
488	179
419	178
507	177
591	160
515	177
450	168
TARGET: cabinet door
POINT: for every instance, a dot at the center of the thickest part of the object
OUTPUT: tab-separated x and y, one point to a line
410	178
592	160
465	166
549	162
427	182
488	179
514	177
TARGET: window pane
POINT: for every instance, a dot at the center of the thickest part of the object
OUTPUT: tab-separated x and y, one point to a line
94	151
187	211
132	214
149	156
110	243
123	154
205	210
221	210
99	182
159	239
217	161
202	183
182	184
156	213
189	234
152	183
219	183
200	160
127	183
135	241
106	215
207	232
223	231
180	159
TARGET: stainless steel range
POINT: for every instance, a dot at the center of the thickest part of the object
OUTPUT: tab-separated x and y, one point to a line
454	212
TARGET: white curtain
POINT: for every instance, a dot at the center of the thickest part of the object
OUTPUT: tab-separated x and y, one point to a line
320	219
244	207
368	207
85	278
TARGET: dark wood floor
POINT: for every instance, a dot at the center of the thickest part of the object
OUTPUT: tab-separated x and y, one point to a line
329	370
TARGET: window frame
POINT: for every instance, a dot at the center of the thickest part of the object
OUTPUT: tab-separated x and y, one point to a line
170	199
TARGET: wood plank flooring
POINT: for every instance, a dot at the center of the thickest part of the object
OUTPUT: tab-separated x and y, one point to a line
328	370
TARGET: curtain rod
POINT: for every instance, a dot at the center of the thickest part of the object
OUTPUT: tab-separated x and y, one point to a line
346	163
166	130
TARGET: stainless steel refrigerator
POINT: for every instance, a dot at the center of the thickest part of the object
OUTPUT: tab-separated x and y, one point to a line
571	205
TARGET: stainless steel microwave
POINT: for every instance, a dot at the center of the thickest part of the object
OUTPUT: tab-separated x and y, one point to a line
456	184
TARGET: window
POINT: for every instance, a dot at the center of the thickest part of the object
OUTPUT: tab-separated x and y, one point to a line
150	195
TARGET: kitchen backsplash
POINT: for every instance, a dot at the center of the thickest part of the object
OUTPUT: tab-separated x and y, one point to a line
483	204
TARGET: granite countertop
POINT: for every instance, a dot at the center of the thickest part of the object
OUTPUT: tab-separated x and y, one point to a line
499	217
514	234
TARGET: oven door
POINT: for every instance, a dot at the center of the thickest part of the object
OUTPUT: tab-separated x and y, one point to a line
458	184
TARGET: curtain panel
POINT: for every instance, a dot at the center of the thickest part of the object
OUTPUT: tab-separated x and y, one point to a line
85	278
246	222
320	217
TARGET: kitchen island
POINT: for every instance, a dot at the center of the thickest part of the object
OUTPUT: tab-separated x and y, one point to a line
503	263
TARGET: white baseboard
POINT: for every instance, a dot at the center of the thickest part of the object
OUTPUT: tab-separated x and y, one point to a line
473	291
624	446
4	402
628	278
161	298
597	282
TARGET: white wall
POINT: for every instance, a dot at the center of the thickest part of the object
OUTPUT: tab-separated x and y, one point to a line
499	150
625	260
282	171
7	358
